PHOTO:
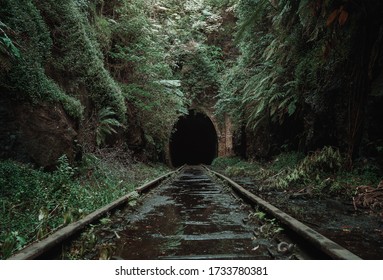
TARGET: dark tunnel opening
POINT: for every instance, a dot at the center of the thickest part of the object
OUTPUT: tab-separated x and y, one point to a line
194	140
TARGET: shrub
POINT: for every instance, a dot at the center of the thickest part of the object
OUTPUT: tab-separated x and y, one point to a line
314	166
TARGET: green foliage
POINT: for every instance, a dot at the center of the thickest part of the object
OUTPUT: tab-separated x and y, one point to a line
106	123
321	172
112	54
234	166
6	44
34	202
286	160
185	29
78	54
221	3
27	78
134	46
289	58
251	12
269	226
10	242
104	54
169	45
260	86
364	173
65	172
315	166
199	72
224	162
327	159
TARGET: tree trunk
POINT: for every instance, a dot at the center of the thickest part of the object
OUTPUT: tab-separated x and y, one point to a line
360	80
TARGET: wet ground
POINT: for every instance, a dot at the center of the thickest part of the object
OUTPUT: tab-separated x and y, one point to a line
191	217
360	231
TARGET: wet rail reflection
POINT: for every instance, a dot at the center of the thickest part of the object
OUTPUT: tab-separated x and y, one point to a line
190	217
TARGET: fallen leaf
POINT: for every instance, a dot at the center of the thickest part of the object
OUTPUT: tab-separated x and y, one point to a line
255	248
118	237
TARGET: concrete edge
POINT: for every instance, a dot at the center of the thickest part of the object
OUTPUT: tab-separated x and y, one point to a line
326	245
36	249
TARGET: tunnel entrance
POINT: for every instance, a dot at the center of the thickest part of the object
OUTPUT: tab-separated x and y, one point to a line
194	140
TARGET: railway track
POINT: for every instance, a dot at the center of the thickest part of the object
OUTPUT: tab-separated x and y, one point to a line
192	213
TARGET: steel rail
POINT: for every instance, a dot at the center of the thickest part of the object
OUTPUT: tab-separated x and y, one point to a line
324	244
38	248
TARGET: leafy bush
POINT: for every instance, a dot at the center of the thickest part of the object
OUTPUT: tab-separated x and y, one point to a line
321	172
286	160
136	52
313	167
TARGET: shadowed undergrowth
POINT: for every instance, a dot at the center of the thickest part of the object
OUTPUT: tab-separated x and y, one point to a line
321	172
34	203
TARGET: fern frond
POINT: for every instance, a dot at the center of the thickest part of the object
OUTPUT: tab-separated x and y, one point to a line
106	124
260	8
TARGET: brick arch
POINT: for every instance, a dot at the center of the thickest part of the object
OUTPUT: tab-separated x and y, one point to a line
222	127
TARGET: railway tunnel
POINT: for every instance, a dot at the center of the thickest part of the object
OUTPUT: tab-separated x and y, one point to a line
194	140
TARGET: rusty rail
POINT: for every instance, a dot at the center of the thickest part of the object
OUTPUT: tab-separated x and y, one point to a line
323	243
38	248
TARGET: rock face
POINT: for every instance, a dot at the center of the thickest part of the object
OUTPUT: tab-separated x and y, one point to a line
35	133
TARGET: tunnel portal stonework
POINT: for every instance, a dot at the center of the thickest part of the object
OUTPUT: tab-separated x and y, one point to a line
223	129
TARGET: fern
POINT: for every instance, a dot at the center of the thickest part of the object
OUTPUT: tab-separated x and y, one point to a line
254	17
106	124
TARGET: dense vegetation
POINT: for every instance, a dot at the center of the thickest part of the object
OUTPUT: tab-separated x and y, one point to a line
319	174
300	79
91	55
306	76
105	63
118	75
35	203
